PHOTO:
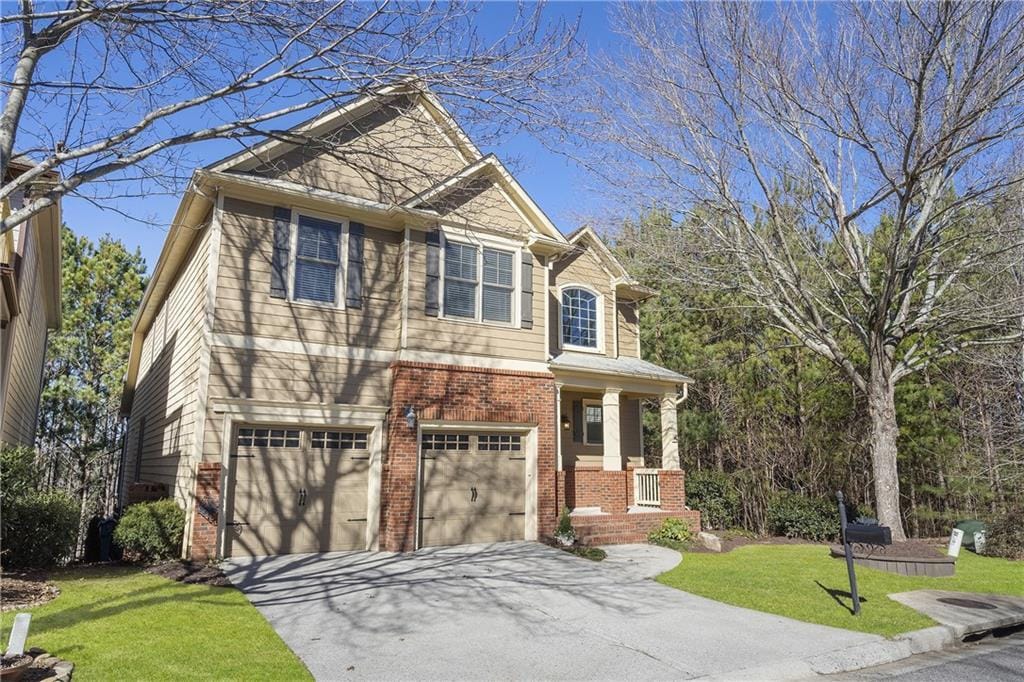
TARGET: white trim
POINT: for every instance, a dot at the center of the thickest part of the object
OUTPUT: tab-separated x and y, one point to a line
592	403
558	426
406	257
476	361
600	331
615	321
273	345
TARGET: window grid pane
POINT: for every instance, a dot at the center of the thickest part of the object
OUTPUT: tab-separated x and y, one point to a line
339	440
317	259
275	438
445	441
506	443
579	318
460	279
594	418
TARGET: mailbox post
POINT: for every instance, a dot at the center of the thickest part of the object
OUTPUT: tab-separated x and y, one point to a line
861	533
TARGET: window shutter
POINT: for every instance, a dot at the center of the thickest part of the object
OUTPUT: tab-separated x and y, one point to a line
526	280
577	421
279	260
433	272
354	273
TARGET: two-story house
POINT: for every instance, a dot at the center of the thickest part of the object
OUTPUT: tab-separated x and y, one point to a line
364	334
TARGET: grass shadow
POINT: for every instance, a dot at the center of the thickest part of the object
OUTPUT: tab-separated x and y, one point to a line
840	595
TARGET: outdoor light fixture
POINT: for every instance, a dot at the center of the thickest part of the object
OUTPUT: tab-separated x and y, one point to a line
410	416
565	423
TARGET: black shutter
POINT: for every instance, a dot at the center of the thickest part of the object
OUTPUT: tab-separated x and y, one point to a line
433	272
279	261
526	280
577	421
354	271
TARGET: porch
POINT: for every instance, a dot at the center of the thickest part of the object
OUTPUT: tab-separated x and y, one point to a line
615	491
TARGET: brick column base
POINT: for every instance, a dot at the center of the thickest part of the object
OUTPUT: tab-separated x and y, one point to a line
205	512
673	489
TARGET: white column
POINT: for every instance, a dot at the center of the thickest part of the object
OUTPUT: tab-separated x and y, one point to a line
669	432
612	459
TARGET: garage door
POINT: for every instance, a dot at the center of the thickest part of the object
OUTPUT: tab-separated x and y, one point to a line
473	488
295	490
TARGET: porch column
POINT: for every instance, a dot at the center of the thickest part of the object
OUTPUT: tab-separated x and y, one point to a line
558	426
612	458
669	432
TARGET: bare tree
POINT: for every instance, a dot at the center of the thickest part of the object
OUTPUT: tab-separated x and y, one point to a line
848	166
115	90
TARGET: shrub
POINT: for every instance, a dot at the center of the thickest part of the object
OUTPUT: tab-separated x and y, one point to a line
37	528
151	531
1005	535
565	532
715	496
799	516
672	533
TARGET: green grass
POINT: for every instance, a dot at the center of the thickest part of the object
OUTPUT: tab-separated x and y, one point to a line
805	583
120	623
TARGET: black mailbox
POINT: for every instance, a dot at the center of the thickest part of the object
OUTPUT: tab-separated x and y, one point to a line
868	534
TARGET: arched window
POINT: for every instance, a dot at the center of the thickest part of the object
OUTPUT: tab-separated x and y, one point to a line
579	318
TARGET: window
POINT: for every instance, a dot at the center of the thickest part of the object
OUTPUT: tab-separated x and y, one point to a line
460	278
593	423
463	266
579	318
445	441
261	438
317	260
339	440
499	442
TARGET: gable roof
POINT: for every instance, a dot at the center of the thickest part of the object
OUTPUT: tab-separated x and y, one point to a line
626	285
490	166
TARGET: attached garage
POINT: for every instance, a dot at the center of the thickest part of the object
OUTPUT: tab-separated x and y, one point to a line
472	487
295	490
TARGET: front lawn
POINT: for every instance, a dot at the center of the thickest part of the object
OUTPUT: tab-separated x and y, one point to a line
805	583
123	623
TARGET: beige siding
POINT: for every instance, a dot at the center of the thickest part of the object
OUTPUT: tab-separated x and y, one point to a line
481	202
23	350
244	305
289	377
584	268
166	392
629	328
388	156
442	335
581	454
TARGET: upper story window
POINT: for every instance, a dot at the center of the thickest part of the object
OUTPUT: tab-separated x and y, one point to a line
579	318
317	260
478	282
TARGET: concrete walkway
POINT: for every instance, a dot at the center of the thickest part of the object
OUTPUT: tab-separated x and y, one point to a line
526	611
965	613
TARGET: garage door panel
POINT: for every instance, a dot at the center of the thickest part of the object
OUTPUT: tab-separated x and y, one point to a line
472	495
272	536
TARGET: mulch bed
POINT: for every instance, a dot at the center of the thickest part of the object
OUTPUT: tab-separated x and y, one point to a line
24	590
191	573
731	543
911	549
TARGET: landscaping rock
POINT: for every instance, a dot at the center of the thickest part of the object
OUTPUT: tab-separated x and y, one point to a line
710	541
47	668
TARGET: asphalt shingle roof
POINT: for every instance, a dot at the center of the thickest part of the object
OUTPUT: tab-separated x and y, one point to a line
602	364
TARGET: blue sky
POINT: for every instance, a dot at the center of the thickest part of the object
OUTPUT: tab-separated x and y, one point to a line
556	184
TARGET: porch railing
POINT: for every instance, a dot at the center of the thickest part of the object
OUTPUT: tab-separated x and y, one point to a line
646	488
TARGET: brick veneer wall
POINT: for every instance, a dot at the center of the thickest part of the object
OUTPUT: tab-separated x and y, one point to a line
467	394
204	526
612	491
617	529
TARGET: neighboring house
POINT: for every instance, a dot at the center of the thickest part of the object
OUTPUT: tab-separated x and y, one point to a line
364	334
30	261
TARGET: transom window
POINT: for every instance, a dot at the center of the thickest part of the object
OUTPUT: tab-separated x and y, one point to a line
339	440
593	423
579	318
317	260
499	442
445	441
274	438
465	295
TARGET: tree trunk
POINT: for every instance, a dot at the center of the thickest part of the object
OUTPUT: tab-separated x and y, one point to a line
884	432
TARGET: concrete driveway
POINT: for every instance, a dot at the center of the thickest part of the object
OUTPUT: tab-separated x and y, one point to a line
519	611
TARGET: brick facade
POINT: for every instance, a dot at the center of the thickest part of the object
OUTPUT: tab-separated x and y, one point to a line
617	529
612	491
204	521
466	394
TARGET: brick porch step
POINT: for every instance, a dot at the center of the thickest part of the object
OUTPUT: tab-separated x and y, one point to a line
619	529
